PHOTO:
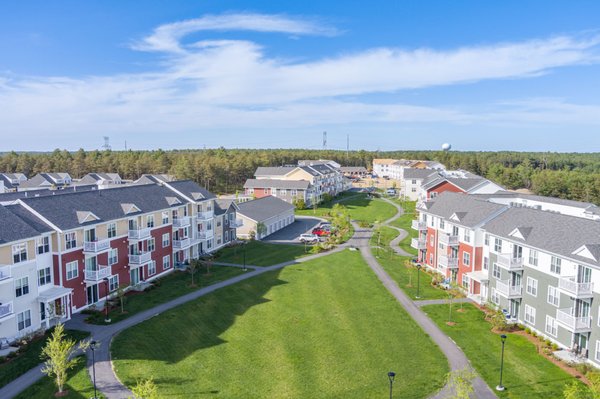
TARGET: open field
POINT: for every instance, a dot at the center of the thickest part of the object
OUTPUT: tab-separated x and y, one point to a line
360	208
326	328
261	253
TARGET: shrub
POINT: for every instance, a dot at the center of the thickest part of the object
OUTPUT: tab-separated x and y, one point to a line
554	347
548	343
528	330
11	355
2	359
534	333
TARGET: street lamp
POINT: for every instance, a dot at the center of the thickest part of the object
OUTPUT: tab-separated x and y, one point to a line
106	319
418	280
500	387
93	348
391	376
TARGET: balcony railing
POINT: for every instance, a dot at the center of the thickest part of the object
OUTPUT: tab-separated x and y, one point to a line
6	309
448	262
448	239
181	222
96	246
181	244
572	322
418	225
237	223
418	244
205	215
508	290
508	261
205	234
139	234
573	288
97	275
5	272
141	258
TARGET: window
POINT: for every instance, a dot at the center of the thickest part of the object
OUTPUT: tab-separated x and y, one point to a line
24	320
432	240
219	239
152	268
70	240
467	237
219	222
150	221
113	256
597	351
486	239
555	264
494	297
533	257
166	262
414	190
72	270
113	283
44	276
151	245
227	236
21	286
496	271
165	217
43	245
293	192
19	252
553	296
529	314
486	263
532	285
551	326
414	181
465	281
111	229
442	224
466	258
283	191
166	240
431	259
497	245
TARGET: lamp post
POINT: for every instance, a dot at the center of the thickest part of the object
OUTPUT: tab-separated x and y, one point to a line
93	348
106	319
244	256
391	376
500	387
418	280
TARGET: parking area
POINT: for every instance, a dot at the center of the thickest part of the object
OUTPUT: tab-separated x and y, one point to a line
290	234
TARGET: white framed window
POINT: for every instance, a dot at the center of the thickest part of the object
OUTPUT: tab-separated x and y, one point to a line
442	224
496	271
414	190
497	245
486	239
529	314
21	286
553	296
166	262
465	281
467	236
150	221
44	276
532	286
151	244
466	259
227	236
551	326
293	192
152	268
165	217
113	256
431	259
111	230
70	240
43	245
166	240
494	297
19	252
555	265
24	320
113	283
72	270
533	257
414	181
597	353
486	263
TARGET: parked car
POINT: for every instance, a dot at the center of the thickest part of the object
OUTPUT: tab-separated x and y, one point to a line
309	238
391	191
321	232
323	224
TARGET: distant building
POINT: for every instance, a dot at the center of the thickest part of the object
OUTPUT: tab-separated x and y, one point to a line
46	180
354	171
458	181
287	190
102	180
270	211
11	181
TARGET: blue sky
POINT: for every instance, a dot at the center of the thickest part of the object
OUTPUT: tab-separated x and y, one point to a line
513	75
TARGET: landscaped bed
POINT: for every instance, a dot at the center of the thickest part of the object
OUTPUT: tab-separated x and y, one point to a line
322	329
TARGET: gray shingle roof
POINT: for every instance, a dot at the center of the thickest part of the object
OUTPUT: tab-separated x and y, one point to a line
223	205
273	170
471	211
190	188
466	184
414	173
264	208
33	221
540	198
44	192
13	228
275	183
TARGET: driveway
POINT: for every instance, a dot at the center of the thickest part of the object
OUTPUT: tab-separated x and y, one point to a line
290	233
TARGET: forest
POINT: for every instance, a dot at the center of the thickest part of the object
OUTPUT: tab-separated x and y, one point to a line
564	175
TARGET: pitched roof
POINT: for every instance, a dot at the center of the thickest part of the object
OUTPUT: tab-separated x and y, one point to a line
224	205
14	227
273	170
276	183
383	161
263	208
353	169
468	183
467	210
414	173
191	190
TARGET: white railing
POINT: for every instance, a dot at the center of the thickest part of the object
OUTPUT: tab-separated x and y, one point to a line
180	244
181	222
205	215
139	234
448	262
205	234
138	259
418	225
507	261
237	223
96	246
448	239
570	285
6	309
5	272
97	275
572	322
418	244
506	289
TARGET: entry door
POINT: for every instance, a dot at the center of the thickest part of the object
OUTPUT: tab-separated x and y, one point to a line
517	251
134	275
90	235
582	308
516	279
454	230
42	311
582	342
92	294
133	224
584	274
514	309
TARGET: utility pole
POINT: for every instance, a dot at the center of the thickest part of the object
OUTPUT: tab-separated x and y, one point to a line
347	148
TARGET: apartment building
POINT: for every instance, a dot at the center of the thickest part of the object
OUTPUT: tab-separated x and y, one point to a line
46	180
273	213
457	181
101	180
11	181
226	222
411	182
394	168
287	190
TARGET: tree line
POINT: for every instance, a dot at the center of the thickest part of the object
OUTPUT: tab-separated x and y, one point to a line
564	175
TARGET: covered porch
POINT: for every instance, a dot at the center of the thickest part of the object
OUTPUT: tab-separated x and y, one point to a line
478	288
55	305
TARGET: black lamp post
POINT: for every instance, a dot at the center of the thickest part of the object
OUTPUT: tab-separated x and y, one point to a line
418	280
106	319
391	376
500	387
93	348
244	267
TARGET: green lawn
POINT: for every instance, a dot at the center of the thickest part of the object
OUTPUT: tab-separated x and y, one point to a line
78	384
404	222
261	254
323	329
360	208
31	357
527	374
167	288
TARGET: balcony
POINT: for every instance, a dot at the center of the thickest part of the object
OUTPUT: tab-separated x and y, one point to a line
508	290
205	234
573	323
577	290
448	239
448	262
182	244
96	246
139	234
205	215
5	273
182	222
97	275
140	258
418	225
237	223
509	262
418	244
6	309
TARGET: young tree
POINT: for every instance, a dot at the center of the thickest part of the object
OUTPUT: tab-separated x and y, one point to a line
261	230
58	356
121	296
460	383
145	389
192	267
208	262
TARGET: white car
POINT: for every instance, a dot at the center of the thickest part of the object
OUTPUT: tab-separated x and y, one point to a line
309	238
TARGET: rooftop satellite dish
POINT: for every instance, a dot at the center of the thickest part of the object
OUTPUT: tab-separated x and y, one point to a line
446	147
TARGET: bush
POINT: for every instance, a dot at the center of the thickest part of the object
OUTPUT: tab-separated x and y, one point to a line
554	347
11	355
2	359
528	330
